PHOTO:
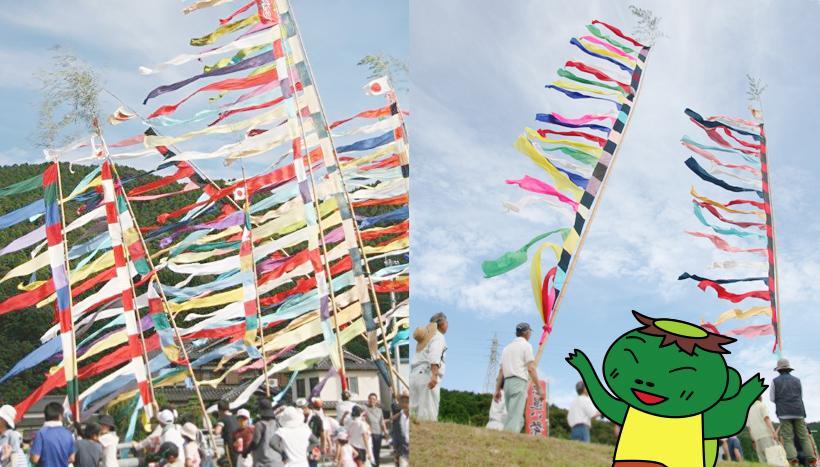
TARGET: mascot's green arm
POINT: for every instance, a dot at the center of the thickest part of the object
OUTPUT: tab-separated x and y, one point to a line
728	417
611	407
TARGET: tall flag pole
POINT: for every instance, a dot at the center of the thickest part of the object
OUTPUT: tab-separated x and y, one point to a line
136	345
58	258
577	154
163	311
313	108
738	149
247	267
289	83
774	290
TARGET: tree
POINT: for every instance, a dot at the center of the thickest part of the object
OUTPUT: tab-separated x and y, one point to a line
386	65
648	28
70	99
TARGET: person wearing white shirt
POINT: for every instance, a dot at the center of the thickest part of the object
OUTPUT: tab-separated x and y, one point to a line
580	415
343	408
761	429
428	368
517	368
109	441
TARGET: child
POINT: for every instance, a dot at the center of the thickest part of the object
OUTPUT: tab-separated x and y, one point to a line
190	433
345	454
242	439
11	442
109	441
169	455
89	449
404	422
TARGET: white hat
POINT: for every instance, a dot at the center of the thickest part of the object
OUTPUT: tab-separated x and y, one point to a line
342	436
8	414
243	413
301	402
291	416
166	417
190	431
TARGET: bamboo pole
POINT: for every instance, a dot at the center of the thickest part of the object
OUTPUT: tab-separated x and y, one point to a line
128	270
67	264
309	165
588	223
246	210
360	243
767	174
191	163
197	390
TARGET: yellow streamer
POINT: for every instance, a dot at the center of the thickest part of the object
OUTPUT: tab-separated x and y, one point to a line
737	313
559	179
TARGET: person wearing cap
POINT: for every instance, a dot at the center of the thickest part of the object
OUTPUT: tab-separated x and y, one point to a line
266	446
786	392
243	438
580	414
359	436
428	368
166	432
11	442
190	434
517	367
296	437
53	445
109	441
314	422
343	408
345	454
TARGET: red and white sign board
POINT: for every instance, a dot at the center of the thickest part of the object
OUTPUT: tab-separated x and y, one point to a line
536	414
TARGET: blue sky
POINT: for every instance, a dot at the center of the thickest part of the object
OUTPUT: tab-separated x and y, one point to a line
121	36
478	79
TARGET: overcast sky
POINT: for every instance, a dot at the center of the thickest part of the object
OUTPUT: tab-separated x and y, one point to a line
479	72
117	37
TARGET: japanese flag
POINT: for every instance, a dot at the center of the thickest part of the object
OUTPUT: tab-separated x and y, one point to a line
377	87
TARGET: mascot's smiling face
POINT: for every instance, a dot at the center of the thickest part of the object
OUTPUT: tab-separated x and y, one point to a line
670	368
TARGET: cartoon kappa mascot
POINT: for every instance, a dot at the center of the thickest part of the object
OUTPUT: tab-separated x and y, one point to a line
674	395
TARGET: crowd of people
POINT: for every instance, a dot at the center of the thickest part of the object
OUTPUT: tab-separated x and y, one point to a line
293	435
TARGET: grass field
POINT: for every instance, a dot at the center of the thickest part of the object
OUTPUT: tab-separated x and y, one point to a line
451	445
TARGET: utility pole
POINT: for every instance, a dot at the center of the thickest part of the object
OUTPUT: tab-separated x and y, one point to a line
492	366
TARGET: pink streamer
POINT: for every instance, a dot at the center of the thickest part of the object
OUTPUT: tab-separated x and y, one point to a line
609	47
537	186
136	139
583	118
711	157
753	331
725	246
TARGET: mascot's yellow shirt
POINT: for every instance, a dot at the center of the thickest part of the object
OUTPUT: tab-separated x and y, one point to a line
671	441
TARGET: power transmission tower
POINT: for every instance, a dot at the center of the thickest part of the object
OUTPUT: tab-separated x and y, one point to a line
492	366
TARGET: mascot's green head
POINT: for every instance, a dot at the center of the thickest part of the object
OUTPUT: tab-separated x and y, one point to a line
670	368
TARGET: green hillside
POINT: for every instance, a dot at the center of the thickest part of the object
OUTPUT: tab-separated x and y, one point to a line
469	408
458	445
24	327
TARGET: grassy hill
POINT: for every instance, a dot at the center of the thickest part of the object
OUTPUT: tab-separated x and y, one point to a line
456	445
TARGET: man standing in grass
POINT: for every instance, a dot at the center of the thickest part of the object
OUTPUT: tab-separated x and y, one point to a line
428	369
580	415
787	394
517	367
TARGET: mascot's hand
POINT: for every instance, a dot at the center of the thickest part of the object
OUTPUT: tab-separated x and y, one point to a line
754	387
580	362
